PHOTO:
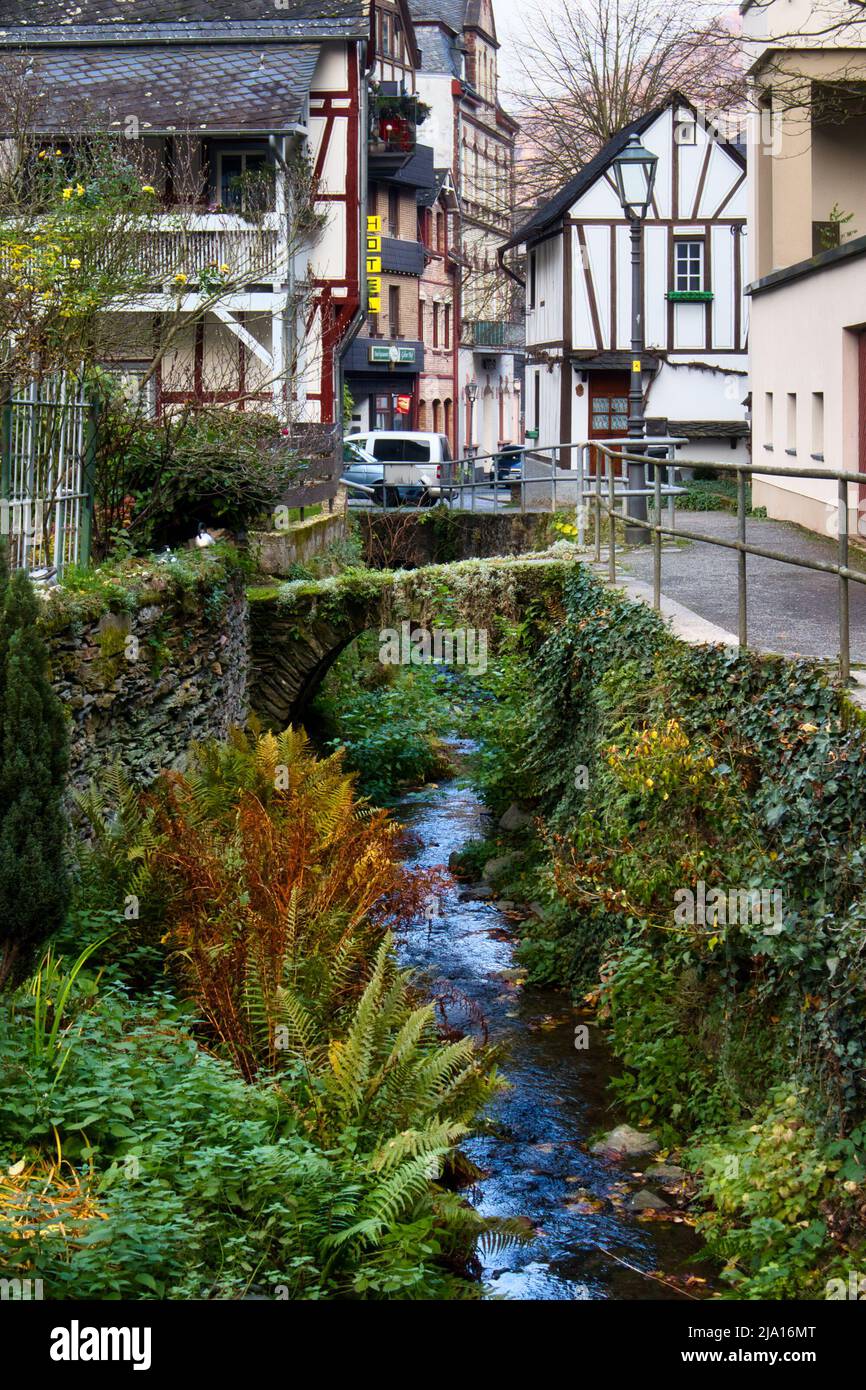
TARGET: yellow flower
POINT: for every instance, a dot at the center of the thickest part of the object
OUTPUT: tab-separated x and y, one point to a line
650	783
224	269
180	278
67	192
75	263
146	188
43	154
79	189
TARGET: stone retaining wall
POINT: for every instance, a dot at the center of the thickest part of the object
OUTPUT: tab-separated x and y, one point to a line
144	670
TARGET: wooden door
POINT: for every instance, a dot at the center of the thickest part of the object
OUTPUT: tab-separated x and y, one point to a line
608	407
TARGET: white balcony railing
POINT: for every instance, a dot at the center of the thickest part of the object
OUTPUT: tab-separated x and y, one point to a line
190	243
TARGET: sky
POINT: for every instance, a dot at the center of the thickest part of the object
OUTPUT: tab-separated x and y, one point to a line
509	16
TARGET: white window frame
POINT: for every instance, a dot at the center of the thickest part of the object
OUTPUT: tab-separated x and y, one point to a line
684	271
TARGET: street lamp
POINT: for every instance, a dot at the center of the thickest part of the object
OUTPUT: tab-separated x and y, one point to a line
471	396
634	170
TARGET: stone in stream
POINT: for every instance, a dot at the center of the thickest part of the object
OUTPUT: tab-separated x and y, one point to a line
666	1172
626	1142
515	818
647	1201
501	864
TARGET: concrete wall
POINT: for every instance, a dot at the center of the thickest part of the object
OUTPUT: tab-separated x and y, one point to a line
275	552
805	345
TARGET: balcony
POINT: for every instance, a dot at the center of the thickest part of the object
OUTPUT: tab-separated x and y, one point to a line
493	335
197	245
393	129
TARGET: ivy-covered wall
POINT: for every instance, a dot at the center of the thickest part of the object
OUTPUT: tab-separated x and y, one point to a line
147	660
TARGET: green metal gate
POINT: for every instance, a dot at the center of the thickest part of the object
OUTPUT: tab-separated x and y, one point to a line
47	447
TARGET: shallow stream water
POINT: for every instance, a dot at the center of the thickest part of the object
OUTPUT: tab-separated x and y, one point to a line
535	1160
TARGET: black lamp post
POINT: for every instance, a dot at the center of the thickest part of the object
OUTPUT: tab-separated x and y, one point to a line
471	396
634	169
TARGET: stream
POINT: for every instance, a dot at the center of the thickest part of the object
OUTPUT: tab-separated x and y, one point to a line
535	1158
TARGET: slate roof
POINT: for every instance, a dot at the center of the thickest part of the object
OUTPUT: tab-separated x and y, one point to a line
186	12
550	212
440	51
450	12
227	89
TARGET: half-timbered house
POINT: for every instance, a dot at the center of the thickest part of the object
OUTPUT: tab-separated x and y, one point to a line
578	295
236	93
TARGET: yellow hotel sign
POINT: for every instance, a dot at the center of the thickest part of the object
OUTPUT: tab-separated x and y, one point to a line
374	264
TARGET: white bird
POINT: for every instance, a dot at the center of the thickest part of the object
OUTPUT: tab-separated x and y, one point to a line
203	537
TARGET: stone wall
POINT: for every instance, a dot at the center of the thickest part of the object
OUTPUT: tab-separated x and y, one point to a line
409	539
146	667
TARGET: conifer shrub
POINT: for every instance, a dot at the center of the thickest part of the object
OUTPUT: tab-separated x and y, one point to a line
34	887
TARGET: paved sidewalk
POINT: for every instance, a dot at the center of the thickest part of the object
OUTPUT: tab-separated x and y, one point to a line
790	610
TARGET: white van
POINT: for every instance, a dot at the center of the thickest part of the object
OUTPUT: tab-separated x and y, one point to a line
416	461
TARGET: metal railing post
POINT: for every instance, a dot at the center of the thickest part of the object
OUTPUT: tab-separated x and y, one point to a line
597	506
844	615
742	596
657	536
611	558
581	519
552	481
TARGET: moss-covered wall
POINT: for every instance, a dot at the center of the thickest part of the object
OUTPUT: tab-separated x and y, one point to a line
148	659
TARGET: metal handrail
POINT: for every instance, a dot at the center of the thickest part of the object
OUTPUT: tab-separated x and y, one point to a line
843	478
609	494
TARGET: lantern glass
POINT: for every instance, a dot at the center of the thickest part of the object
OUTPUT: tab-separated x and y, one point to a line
635	170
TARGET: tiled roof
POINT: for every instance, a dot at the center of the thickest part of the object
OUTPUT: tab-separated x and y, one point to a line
223	89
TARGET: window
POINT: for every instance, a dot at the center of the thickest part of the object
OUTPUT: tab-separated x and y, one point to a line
386	34
402	450
688	265
609	415
533	275
394	311
421	319
440	231
437	417
244	179
537	413
447	329
791	423
436	325
768	419
818	424
393	212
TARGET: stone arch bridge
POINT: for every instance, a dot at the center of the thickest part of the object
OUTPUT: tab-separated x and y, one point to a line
298	629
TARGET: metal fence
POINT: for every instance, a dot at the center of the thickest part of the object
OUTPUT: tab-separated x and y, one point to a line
596	488
607	504
47	440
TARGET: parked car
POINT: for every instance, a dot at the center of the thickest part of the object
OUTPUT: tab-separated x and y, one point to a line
360	467
413	466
